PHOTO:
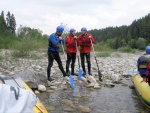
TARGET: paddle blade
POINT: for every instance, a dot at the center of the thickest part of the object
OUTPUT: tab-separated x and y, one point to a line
99	75
79	74
71	82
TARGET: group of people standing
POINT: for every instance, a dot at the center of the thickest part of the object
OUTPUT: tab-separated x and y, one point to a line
83	43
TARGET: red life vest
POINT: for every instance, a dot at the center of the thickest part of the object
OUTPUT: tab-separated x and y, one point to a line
70	44
148	72
85	43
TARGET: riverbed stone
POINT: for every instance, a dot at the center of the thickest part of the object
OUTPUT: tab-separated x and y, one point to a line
41	87
84	109
68	102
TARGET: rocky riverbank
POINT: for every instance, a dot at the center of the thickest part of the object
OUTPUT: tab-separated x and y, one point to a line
113	65
33	71
33	68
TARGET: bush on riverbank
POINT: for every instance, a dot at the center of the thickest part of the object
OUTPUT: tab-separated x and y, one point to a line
22	46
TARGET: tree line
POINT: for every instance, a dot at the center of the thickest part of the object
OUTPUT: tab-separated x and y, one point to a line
136	35
8	25
8	28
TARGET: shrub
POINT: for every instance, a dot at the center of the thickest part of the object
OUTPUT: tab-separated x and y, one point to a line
102	47
125	49
103	54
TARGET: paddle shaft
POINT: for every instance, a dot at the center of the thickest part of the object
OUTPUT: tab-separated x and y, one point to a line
65	56
99	73
77	53
64	51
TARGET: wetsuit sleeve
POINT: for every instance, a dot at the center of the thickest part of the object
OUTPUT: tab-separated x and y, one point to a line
53	39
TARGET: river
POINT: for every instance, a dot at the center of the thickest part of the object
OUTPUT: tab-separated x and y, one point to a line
118	99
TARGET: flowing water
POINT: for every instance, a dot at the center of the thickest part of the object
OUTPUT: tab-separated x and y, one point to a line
118	99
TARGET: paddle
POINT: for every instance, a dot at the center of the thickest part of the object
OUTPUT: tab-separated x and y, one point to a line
70	76
99	73
79	70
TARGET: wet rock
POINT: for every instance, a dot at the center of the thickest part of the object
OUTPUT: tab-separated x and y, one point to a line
109	85
97	86
84	109
57	83
68	102
50	91
30	75
53	87
41	87
90	85
68	109
91	79
132	87
94	68
124	84
117	82
84	79
32	85
50	108
36	92
11	73
77	96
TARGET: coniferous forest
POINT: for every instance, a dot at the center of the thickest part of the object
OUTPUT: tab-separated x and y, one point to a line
136	35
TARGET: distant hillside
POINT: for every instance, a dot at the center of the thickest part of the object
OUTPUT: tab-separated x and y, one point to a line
136	35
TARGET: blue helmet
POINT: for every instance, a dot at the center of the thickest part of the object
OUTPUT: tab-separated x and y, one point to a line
72	30
83	29
60	28
148	49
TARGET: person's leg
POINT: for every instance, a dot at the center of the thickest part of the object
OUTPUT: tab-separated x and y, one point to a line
58	60
50	64
73	58
88	63
83	63
68	62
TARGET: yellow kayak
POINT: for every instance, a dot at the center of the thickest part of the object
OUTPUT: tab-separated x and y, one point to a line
142	88
18	82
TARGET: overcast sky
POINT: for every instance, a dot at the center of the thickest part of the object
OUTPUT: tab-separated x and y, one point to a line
92	14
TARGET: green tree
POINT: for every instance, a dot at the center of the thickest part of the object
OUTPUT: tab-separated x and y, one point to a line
12	24
8	19
3	26
141	43
132	43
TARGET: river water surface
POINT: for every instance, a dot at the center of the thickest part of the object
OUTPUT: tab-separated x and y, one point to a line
118	99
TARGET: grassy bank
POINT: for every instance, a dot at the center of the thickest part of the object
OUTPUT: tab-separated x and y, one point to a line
22	46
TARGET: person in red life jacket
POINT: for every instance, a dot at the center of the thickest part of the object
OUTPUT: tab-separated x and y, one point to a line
53	52
84	43
143	62
70	42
